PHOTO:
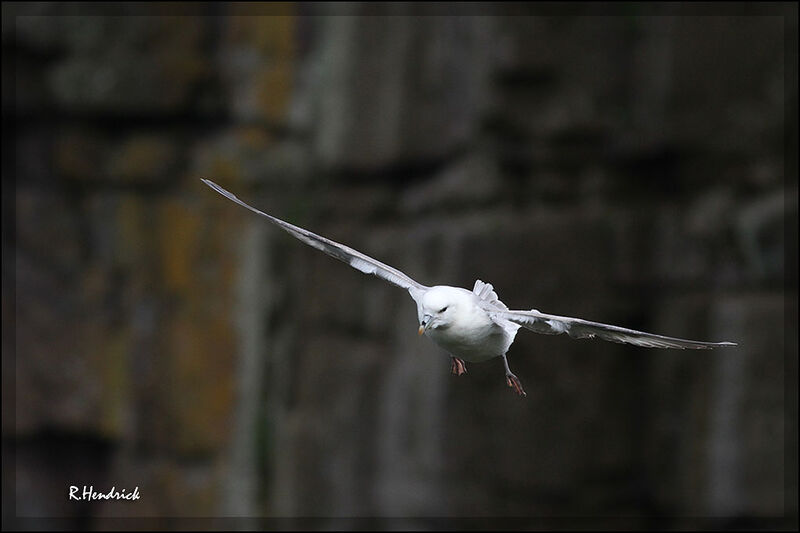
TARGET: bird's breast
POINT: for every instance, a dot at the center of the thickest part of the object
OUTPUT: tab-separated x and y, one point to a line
473	338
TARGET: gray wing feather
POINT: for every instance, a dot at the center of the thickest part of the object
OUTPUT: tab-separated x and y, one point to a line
580	329
343	253
486	293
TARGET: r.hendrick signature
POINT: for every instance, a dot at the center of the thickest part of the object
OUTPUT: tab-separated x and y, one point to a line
90	494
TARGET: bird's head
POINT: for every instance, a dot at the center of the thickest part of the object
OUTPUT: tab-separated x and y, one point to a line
437	308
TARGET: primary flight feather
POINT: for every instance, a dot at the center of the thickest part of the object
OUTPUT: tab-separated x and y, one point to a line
473	325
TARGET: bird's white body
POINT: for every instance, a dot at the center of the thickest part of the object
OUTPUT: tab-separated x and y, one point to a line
465	329
475	325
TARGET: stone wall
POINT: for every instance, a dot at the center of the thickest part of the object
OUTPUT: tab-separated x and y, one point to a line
627	169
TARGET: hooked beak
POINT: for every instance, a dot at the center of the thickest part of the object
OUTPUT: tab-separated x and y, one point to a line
425	324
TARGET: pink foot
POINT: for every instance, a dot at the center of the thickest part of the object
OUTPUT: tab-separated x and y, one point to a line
515	384
457	366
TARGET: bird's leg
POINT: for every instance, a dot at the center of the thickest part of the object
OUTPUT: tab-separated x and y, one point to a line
512	380
457	366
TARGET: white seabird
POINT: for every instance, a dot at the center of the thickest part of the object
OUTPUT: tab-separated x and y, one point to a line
474	325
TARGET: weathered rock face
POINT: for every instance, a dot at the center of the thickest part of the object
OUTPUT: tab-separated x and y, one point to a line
621	169
368	73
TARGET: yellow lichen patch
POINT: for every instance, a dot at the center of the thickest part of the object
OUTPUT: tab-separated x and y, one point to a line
199	259
142	158
272	35
254	139
274	89
180	227
202	351
222	233
131	245
112	358
179	54
224	167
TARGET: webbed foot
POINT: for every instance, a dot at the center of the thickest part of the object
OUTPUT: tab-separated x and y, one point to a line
514	382
457	366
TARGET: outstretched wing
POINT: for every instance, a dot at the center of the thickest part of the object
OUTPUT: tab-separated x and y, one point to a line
354	258
580	329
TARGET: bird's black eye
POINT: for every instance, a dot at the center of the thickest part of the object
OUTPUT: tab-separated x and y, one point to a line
443	309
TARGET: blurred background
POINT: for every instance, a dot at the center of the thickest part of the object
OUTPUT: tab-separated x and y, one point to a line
619	165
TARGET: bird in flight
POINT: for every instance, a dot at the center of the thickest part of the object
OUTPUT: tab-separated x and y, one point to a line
475	325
